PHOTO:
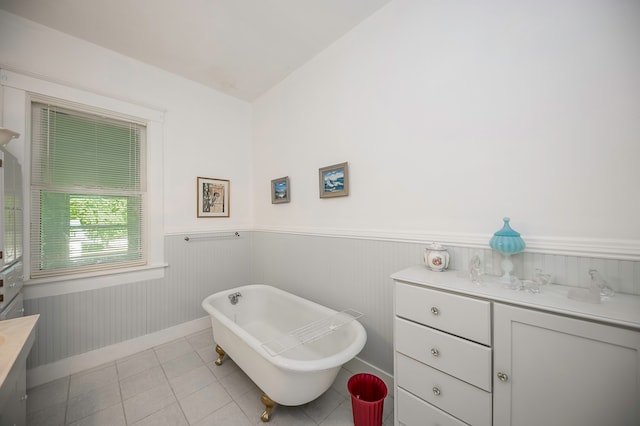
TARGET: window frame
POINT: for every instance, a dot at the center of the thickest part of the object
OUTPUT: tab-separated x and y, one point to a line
46	186
18	92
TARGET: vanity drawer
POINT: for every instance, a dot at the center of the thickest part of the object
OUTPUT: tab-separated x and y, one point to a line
460	315
458	357
413	411
460	399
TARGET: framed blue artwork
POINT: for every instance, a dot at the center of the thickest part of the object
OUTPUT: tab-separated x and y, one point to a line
280	190
334	181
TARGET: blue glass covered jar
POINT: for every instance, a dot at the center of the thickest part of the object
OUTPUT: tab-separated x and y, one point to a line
507	242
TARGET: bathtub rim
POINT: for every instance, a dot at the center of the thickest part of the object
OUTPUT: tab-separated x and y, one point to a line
326	363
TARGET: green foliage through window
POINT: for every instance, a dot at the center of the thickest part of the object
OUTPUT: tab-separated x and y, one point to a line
102	217
87	191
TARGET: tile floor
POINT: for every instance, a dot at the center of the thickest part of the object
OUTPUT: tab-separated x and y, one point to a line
177	384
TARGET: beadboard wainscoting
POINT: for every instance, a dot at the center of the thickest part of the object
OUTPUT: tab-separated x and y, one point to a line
347	271
75	323
339	273
354	272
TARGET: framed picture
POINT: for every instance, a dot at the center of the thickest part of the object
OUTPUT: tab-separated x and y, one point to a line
213	197
280	190
334	181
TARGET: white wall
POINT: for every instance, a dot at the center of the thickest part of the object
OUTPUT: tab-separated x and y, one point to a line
206	133
451	116
455	114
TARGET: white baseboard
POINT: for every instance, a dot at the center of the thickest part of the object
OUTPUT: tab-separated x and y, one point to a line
77	363
74	364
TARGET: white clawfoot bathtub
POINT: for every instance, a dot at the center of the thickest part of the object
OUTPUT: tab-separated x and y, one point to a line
256	333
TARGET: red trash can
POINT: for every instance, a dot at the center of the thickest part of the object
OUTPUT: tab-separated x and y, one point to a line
367	399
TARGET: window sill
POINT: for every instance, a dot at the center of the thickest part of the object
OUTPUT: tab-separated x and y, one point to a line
54	286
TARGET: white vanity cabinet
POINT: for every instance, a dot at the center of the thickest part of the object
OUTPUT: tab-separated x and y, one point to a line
563	371
441	357
485	355
16	339
13	397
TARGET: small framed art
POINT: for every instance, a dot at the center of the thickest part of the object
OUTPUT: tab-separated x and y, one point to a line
213	197
280	190
334	180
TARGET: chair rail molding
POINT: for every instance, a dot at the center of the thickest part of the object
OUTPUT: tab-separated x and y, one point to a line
581	247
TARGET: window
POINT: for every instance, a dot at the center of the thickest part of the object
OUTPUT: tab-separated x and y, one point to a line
88	183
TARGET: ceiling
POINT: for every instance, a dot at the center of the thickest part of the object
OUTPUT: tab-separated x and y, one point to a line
240	47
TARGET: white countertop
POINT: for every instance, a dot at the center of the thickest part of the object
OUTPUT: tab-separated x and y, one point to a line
16	338
621	309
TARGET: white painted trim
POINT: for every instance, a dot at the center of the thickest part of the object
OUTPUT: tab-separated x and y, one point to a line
74	364
66	90
77	363
599	248
30	86
582	247
55	286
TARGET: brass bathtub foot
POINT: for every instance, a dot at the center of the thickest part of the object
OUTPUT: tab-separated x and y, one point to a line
269	405
220	352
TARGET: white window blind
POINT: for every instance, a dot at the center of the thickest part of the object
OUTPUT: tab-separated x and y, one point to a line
88	184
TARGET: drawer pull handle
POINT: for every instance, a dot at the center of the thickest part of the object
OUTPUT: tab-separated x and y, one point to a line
435	311
436	391
435	352
24	397
503	377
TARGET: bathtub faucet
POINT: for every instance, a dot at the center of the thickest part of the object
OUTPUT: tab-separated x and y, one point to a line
234	297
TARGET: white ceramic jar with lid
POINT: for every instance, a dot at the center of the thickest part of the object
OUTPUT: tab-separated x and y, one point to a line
436	257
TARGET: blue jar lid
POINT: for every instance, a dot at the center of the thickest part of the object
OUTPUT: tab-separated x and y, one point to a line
506	240
506	230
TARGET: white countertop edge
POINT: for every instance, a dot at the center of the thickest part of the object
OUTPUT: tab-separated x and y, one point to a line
621	310
19	334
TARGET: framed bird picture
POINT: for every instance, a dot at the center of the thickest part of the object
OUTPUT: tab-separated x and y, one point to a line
213	197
